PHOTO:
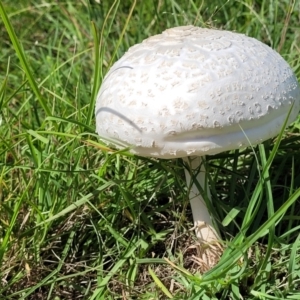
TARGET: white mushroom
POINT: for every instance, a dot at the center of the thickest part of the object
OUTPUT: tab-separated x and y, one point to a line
189	92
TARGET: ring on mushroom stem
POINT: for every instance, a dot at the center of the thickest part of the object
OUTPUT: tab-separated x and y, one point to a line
191	91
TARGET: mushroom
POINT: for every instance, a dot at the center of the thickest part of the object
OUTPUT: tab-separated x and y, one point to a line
191	92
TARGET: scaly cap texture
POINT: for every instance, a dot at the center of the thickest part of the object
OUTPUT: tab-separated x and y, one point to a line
195	91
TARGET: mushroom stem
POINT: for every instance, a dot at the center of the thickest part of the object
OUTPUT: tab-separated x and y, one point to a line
204	228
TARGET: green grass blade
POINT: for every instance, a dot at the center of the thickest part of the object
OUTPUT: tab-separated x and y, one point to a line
238	252
293	263
159	283
23	60
122	33
12	223
102	284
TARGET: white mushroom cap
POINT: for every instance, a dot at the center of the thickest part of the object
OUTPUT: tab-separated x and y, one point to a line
195	91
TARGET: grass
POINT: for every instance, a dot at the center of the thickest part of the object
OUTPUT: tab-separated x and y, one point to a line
81	221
